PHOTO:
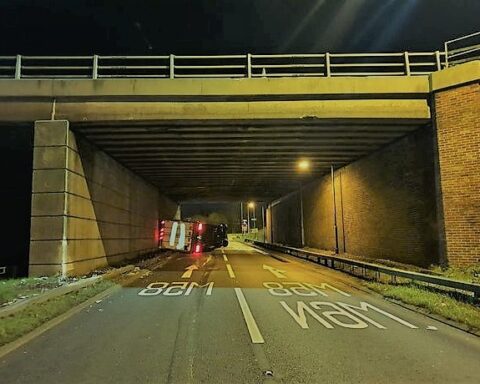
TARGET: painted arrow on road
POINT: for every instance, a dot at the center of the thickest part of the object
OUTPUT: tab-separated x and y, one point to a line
277	272
188	271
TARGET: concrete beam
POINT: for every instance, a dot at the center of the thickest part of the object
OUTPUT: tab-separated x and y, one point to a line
455	76
157	88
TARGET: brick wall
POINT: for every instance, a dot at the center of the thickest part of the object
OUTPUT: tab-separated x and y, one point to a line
457	113
286	228
87	210
385	204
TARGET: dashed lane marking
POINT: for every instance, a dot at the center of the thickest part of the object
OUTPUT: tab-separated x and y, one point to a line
230	271
225	258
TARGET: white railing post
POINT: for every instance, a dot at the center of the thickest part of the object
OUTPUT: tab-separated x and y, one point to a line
18	67
172	66
437	59
327	64
95	67
249	65
407	64
446	55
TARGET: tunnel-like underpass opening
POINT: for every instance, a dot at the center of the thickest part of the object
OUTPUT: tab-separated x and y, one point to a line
383	178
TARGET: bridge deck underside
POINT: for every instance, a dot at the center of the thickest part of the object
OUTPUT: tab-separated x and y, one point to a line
229	160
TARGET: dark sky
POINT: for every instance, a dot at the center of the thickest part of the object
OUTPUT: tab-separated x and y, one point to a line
231	26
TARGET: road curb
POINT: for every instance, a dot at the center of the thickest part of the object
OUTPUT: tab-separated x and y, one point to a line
22	340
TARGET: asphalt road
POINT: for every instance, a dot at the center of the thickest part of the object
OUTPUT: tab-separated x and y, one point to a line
246	317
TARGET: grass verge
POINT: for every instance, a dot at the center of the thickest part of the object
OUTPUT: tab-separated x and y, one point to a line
435	303
20	323
14	288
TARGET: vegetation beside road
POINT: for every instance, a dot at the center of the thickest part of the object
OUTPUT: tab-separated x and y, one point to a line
435	303
13	289
22	322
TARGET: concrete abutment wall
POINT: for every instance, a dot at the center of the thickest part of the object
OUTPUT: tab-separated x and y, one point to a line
88	211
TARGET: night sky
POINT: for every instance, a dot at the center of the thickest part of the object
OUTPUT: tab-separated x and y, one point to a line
76	27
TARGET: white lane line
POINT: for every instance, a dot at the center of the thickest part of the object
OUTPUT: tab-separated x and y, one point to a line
230	271
225	258
255	334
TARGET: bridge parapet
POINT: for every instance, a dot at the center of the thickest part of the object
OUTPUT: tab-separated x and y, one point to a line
222	66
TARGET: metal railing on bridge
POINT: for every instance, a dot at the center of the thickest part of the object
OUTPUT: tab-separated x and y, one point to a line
462	49
222	66
456	51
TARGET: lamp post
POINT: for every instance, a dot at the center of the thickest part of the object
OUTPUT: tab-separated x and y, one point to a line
251	205
263	223
303	167
335	228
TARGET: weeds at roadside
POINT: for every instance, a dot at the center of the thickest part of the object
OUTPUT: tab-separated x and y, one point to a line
436	303
20	323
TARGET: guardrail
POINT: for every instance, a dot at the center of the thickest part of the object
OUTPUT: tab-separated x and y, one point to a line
336	262
222	66
462	49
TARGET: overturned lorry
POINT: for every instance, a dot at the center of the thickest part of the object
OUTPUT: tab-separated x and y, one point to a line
191	236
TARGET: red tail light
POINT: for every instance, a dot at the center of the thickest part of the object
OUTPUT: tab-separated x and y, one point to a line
198	248
160	231
200	227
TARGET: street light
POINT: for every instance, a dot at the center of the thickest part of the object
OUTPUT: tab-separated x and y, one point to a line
303	165
250	205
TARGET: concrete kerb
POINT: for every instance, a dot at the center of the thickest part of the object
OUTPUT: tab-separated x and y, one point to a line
63	290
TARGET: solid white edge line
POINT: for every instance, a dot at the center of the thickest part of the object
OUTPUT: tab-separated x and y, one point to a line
230	271
225	258
255	334
262	252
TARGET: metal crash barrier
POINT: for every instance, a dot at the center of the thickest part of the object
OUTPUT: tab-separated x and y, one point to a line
349	265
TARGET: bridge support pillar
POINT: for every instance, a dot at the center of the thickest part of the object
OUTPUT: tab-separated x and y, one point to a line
88	211
457	118
60	211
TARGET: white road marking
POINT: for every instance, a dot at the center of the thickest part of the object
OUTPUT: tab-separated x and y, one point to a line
225	258
260	251
230	271
432	328
255	334
188	273
277	272
176	288
331	319
207	261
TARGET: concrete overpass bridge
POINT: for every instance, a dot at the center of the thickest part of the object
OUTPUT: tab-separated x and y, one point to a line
112	154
